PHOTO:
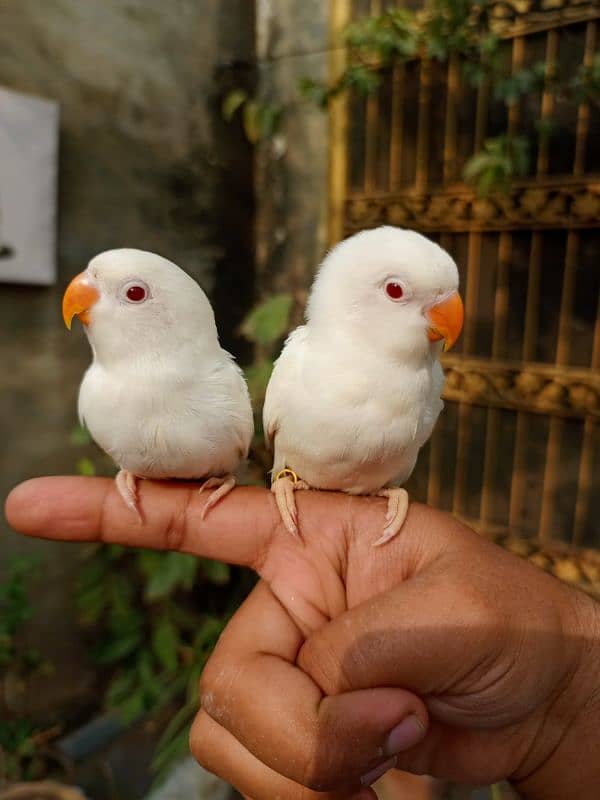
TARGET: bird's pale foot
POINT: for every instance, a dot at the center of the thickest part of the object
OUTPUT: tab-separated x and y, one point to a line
396	513
127	486
221	486
283	487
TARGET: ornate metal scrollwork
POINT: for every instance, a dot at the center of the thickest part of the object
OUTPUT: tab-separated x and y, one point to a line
560	204
539	388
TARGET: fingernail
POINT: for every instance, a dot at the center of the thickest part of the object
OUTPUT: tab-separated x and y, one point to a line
375	774
406	734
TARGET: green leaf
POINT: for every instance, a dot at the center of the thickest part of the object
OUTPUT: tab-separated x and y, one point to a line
269	320
502	159
231	103
120	688
364	79
80	436
257	378
171	751
150	562
269	117
314	91
251	121
172	571
118	648
216	571
180	719
91	603
133	707
165	643
85	466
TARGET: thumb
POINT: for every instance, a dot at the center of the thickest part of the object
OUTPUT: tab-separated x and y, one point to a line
423	636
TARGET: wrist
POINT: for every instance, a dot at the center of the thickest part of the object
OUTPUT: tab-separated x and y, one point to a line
564	759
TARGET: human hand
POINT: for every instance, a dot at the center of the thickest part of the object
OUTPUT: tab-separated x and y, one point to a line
308	684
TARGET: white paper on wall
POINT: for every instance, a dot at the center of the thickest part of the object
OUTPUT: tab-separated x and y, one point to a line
28	183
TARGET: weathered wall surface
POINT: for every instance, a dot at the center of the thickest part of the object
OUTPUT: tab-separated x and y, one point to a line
145	161
292	168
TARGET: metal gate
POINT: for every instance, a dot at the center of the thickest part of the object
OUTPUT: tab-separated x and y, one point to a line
516	451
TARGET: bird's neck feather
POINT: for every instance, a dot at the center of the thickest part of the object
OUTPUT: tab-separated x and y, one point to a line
150	350
358	346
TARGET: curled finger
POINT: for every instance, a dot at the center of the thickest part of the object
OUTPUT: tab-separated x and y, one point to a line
220	753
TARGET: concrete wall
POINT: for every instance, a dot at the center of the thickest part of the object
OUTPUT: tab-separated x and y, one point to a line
292	168
145	161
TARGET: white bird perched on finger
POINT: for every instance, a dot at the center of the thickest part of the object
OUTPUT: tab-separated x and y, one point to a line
161	396
356	391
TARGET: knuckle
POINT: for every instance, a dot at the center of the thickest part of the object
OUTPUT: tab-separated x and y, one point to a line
321	661
315	776
175	531
323	766
200	746
216	689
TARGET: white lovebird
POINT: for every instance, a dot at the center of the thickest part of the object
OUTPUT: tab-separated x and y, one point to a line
161	396
356	391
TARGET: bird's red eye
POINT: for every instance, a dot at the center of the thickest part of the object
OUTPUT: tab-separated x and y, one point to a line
394	290
136	294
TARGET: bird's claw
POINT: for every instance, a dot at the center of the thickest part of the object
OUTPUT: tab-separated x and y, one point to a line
396	514
127	488
283	488
221	486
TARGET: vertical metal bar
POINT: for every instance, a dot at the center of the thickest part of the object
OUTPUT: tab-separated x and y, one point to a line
547	100
501	296
473	265
435	467
529	343
586	463
371	143
481	113
371	137
450	126
555	432
557	424
583	113
584	480
397	130
533	294
340	13
500	319
435	446
423	125
498	352
464	410
566	301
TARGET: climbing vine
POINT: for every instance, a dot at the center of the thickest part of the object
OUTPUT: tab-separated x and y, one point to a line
469	31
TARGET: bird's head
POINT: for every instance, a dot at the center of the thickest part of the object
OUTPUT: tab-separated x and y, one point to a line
132	300
392	287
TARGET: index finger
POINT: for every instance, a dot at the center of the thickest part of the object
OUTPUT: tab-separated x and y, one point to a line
238	530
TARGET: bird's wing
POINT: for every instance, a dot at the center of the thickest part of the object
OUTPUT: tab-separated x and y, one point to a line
245	428
282	382
432	409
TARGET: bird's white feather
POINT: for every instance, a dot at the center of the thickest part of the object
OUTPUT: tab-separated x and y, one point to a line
161	397
356	391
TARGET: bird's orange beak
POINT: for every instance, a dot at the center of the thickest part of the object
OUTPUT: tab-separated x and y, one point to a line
78	299
446	318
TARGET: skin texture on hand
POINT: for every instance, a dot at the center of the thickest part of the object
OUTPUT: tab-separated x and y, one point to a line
438	653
